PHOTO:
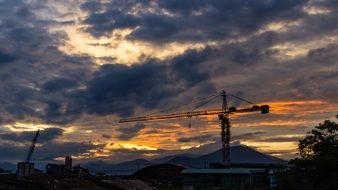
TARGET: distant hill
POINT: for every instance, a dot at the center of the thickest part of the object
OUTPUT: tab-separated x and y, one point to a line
124	168
238	155
172	158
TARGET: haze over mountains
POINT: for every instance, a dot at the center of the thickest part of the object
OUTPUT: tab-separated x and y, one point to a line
239	154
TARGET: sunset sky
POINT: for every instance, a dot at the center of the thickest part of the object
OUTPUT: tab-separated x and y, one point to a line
73	68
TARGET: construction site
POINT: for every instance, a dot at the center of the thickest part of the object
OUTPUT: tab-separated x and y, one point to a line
168	174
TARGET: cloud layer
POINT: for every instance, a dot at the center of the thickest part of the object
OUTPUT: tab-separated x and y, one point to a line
279	52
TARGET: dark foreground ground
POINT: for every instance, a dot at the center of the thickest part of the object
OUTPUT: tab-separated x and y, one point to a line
42	181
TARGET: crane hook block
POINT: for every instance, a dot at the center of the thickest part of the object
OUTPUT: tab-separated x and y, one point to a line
265	109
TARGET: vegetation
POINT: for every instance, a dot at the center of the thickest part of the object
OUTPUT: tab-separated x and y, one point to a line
317	167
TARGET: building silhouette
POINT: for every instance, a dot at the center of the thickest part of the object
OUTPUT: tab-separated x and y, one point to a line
68	163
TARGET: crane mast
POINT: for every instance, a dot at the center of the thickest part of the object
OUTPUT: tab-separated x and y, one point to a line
31	149
225	130
223	116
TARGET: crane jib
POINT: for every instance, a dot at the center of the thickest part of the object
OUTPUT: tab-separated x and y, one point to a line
264	109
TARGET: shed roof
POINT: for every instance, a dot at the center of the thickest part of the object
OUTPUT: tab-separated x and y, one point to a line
222	171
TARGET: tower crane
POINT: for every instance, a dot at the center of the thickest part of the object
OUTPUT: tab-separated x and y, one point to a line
31	149
223	116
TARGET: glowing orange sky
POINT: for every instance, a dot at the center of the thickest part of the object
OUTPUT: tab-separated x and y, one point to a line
166	137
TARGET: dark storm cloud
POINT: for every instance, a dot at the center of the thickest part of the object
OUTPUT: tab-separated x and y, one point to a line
46	135
59	84
317	82
302	78
45	83
10	151
50	134
106	136
153	131
121	155
36	77
6	58
279	139
115	16
199	139
128	132
119	88
92	6
189	20
248	136
108	20
67	148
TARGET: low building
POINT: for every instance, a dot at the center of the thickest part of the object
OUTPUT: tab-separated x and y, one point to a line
25	169
55	170
163	172
229	178
162	176
81	171
58	170
68	163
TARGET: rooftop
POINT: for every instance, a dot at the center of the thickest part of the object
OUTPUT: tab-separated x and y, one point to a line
222	171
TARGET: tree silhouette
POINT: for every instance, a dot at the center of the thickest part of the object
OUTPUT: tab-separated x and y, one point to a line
321	143
318	166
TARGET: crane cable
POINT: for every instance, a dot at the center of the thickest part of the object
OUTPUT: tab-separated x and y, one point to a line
199	100
239	98
202	104
206	102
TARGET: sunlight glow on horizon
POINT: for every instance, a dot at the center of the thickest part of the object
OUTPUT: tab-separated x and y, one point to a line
166	137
